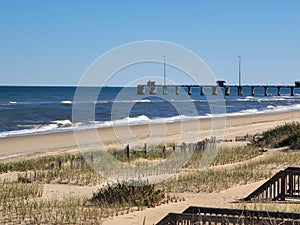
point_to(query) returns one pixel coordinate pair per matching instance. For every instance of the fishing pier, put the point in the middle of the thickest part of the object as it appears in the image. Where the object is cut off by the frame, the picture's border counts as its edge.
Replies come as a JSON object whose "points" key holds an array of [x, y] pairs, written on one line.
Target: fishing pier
{"points": [[215, 89], [219, 88]]}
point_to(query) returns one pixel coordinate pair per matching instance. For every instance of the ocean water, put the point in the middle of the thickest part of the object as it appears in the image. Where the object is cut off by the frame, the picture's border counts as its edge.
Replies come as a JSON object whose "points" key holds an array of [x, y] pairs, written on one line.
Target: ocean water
{"points": [[30, 110]]}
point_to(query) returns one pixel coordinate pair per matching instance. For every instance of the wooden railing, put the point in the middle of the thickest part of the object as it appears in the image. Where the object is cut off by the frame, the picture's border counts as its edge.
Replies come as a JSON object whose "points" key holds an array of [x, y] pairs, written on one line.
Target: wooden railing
{"points": [[213, 216], [282, 186]]}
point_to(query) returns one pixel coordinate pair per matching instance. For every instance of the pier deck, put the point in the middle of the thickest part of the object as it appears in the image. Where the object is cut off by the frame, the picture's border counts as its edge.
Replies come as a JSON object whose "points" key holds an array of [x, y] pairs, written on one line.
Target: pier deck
{"points": [[214, 88]]}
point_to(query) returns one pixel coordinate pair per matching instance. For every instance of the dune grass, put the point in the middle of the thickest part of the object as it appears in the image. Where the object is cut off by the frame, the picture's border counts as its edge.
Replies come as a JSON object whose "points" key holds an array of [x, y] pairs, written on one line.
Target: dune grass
{"points": [[217, 179], [21, 200], [226, 155], [280, 136], [126, 194]]}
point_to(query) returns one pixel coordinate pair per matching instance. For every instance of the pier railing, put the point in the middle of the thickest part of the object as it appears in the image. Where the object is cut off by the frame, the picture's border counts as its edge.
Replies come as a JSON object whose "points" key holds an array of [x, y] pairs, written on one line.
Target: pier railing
{"points": [[226, 89]]}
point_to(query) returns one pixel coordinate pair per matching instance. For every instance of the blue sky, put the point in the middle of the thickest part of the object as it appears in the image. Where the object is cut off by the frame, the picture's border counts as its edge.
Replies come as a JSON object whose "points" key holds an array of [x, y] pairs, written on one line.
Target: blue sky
{"points": [[53, 42]]}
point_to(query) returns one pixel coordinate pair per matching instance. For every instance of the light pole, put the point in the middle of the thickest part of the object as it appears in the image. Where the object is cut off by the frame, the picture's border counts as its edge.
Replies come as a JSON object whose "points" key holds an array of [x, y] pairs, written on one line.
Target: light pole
{"points": [[165, 77], [240, 72], [240, 76], [164, 70]]}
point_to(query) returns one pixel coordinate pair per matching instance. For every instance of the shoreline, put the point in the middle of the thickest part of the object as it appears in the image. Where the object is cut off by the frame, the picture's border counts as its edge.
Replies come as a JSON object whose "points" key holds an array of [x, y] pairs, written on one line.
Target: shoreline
{"points": [[174, 132]]}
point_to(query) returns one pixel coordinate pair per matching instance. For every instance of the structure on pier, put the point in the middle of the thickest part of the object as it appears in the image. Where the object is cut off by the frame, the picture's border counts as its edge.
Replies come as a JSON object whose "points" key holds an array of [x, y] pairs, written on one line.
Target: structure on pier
{"points": [[285, 185], [220, 85]]}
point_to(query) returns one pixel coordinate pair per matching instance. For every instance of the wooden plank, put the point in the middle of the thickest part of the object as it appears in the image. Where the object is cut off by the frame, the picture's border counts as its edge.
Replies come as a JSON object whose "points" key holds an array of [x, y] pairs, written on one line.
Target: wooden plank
{"points": [[239, 212], [184, 218]]}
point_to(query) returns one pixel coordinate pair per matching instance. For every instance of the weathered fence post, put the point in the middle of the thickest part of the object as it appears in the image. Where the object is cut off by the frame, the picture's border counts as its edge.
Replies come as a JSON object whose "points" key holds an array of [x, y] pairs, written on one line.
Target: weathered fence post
{"points": [[145, 149], [126, 150], [92, 157]]}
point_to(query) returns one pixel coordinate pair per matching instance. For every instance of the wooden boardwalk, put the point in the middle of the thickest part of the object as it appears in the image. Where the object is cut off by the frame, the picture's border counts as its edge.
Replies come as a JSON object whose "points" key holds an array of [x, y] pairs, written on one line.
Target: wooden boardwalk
{"points": [[218, 216]]}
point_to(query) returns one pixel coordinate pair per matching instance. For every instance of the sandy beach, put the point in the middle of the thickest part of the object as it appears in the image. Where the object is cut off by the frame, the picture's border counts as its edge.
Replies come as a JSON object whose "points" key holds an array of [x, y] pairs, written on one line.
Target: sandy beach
{"points": [[54, 143], [138, 134]]}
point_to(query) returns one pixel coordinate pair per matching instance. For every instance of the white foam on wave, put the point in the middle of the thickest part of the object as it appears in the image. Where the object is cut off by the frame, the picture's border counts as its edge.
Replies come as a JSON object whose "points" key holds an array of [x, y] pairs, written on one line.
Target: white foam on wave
{"points": [[124, 101], [62, 123], [243, 99], [135, 101], [53, 126], [175, 119], [67, 102], [265, 98], [126, 121], [268, 109], [12, 102], [246, 111], [285, 108]]}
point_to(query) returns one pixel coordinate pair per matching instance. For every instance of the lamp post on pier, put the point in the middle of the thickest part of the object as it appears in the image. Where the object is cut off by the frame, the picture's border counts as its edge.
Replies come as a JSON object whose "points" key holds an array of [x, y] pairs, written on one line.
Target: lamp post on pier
{"points": [[240, 76], [165, 78]]}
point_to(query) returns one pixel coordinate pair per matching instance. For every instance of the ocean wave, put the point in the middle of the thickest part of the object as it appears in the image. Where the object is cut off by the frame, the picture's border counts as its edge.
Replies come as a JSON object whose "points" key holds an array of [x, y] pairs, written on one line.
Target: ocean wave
{"points": [[126, 121], [62, 123], [136, 101], [263, 99], [118, 101], [66, 102], [25, 103], [268, 109], [53, 126], [246, 111], [67, 125]]}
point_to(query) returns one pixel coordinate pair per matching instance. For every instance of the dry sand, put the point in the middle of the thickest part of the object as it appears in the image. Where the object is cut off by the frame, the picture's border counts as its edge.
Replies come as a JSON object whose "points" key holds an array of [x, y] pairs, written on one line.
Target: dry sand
{"points": [[59, 142], [188, 131]]}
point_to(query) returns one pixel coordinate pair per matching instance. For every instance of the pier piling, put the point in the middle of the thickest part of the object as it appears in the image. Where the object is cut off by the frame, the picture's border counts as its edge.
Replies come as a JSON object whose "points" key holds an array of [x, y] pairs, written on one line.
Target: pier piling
{"points": [[292, 91], [266, 91], [240, 90], [214, 90], [177, 90], [252, 90], [278, 91], [227, 91], [189, 90], [165, 90], [141, 89], [201, 91]]}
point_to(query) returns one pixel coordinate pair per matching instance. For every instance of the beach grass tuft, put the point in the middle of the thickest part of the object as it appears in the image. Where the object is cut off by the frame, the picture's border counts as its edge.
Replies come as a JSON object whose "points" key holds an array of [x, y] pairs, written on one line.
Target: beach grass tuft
{"points": [[280, 136]]}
